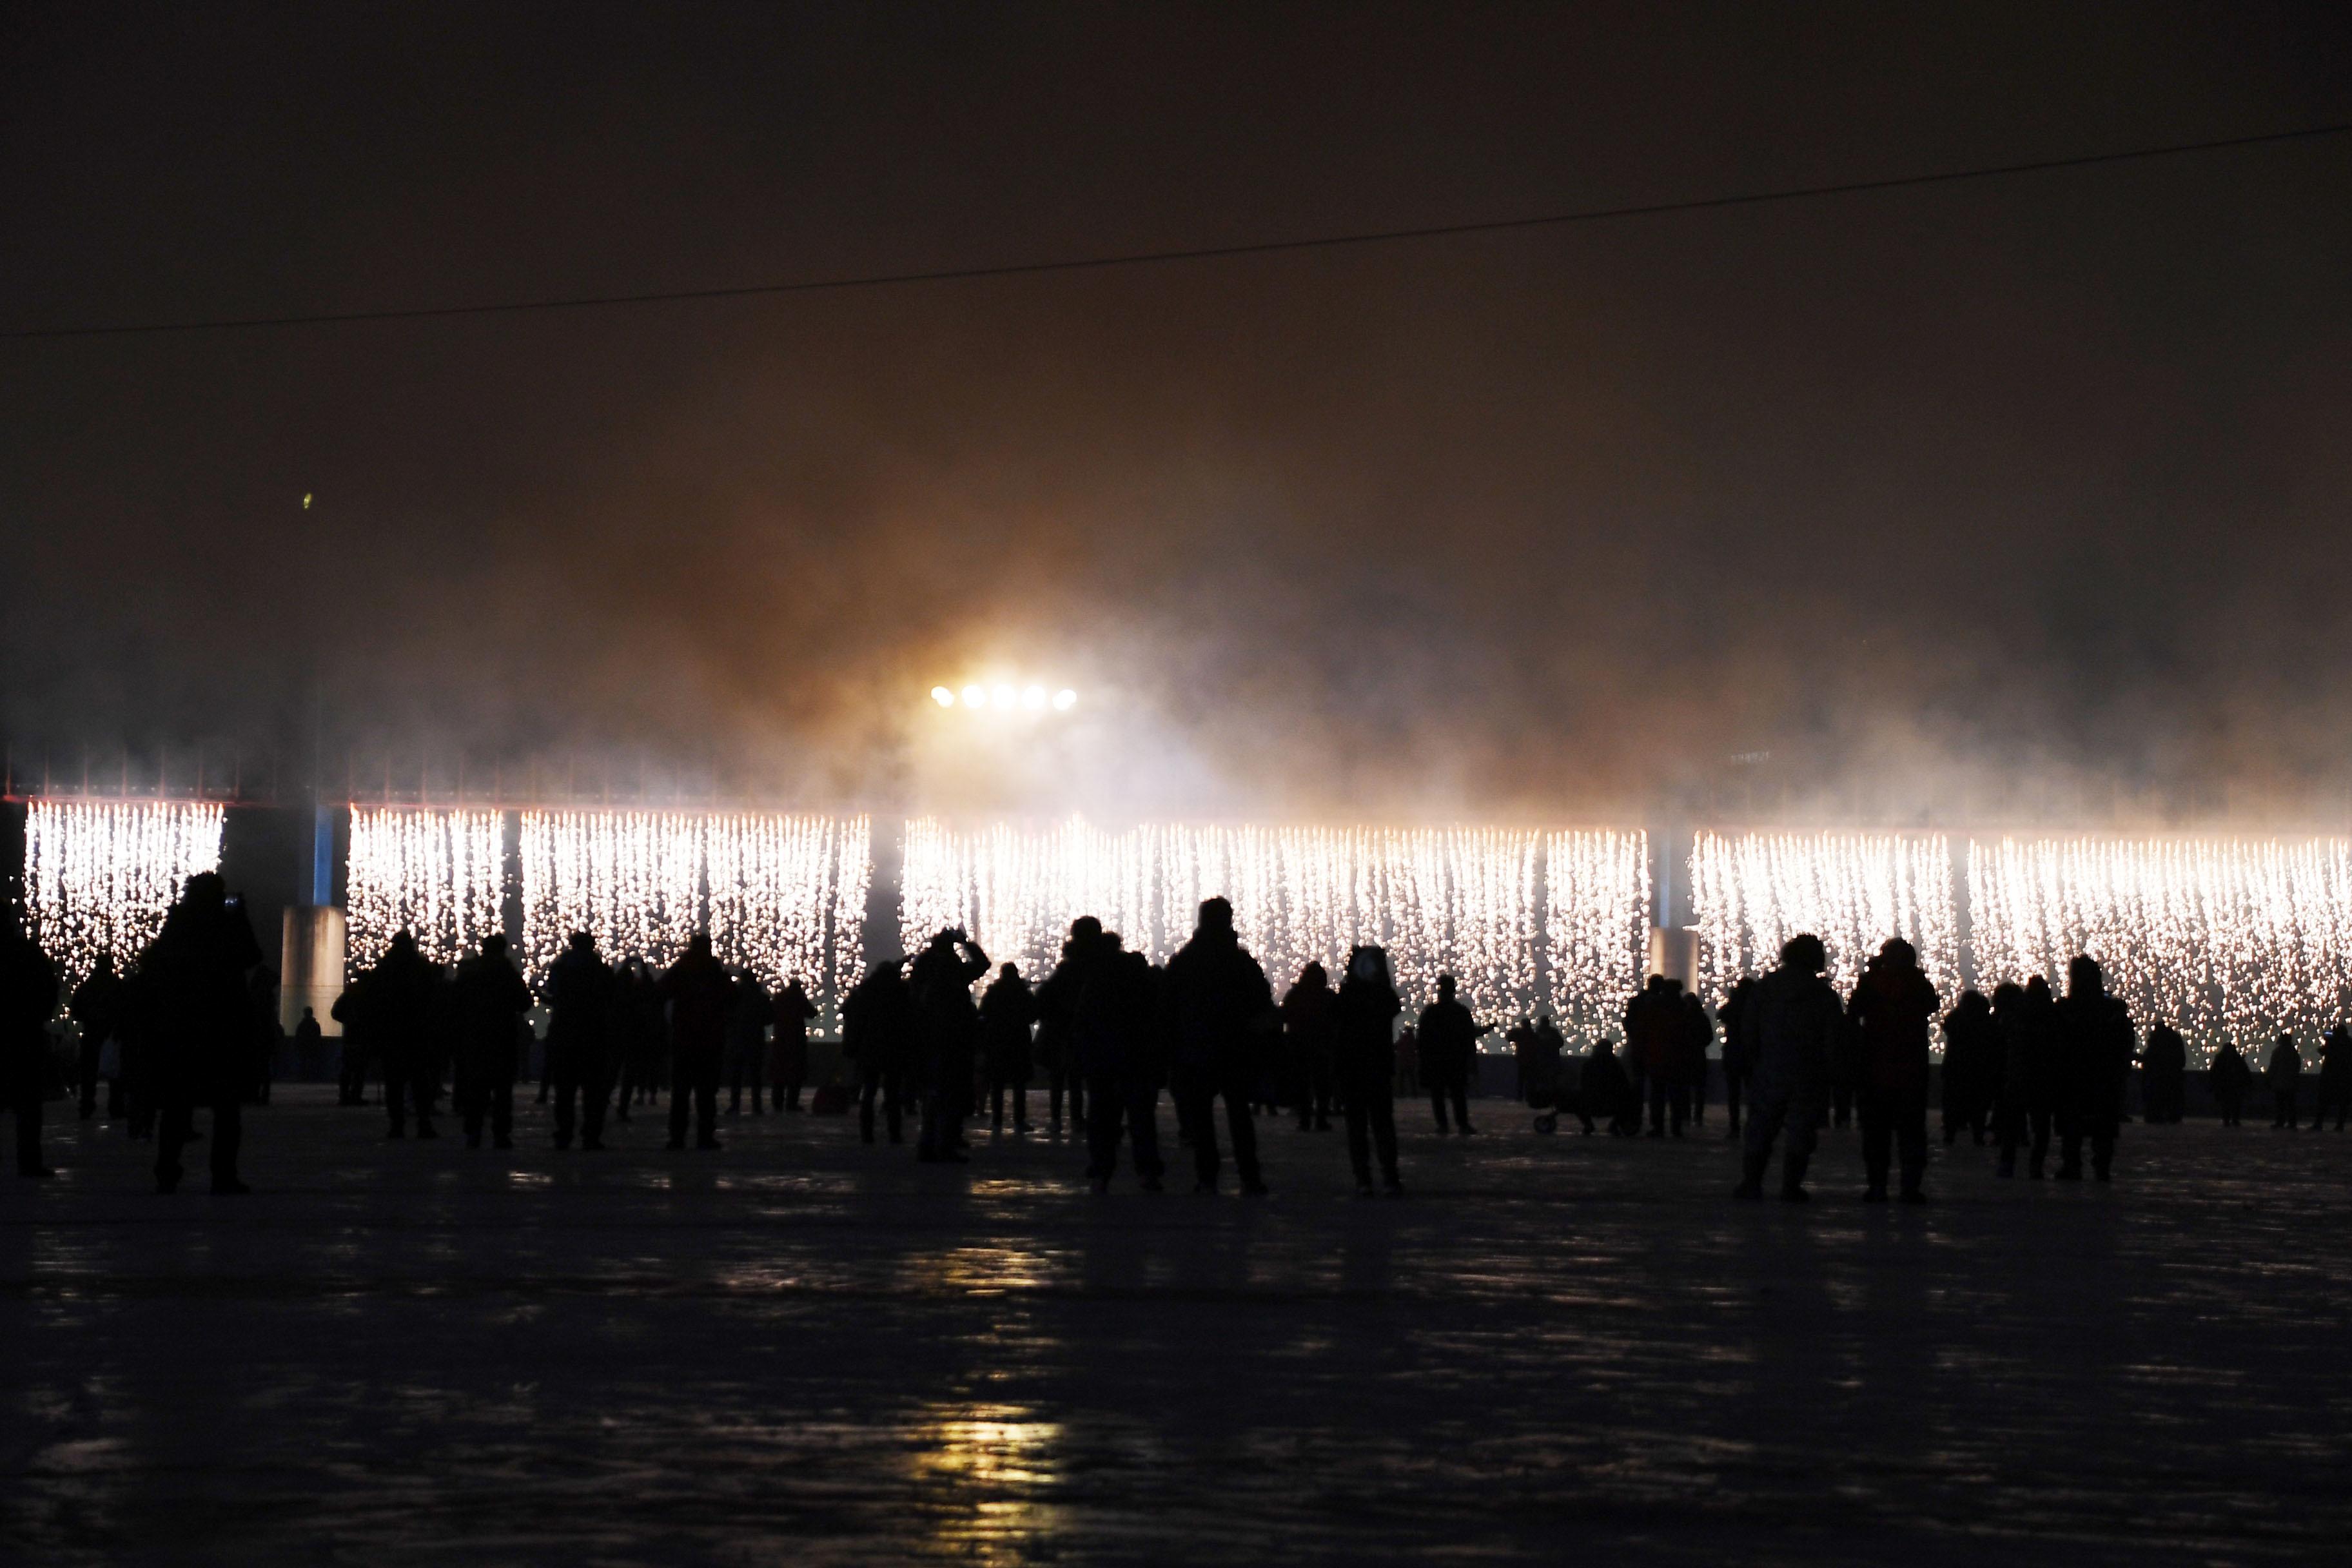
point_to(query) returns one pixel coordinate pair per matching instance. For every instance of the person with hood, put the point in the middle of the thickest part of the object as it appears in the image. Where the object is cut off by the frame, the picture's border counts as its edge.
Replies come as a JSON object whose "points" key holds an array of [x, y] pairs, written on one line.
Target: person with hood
{"points": [[1221, 1013], [2096, 1040], [878, 1033], [948, 1037], [2164, 1074], [700, 995], [1007, 1010], [1307, 1042], [1791, 1028], [788, 1059], [488, 1000], [583, 1024], [2229, 1079], [1364, 1020], [202, 960], [96, 1001], [402, 1007], [1449, 1052], [29, 997], [1058, 1011], [1117, 1032], [1892, 1006], [2284, 1076]]}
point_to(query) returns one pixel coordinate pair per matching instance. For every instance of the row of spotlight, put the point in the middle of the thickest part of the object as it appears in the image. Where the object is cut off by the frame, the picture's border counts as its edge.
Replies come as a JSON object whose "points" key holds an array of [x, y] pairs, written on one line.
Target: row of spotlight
{"points": [[1006, 699]]}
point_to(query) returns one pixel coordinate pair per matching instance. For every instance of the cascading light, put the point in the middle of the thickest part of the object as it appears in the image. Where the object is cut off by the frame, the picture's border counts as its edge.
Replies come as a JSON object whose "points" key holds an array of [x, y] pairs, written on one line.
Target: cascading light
{"points": [[1467, 901], [438, 875], [98, 876], [2228, 939], [633, 879], [1752, 891]]}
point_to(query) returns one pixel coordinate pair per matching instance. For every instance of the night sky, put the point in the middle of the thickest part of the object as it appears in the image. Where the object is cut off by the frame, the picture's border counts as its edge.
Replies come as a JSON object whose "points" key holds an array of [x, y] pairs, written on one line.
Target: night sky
{"points": [[2026, 484]]}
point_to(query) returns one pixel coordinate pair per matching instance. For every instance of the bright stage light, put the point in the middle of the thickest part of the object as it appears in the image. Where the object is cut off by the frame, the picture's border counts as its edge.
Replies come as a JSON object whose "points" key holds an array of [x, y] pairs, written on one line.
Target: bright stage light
{"points": [[1033, 697], [1065, 699], [975, 697], [942, 696], [1004, 697]]}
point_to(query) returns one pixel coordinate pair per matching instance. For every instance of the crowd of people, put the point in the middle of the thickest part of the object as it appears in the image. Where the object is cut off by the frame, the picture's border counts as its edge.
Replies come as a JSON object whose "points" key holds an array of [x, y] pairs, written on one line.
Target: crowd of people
{"points": [[1104, 1033]]}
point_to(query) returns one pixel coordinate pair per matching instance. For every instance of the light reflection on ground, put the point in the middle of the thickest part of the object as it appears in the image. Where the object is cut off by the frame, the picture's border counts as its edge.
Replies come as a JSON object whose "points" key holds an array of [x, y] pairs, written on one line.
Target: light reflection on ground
{"points": [[803, 1349]]}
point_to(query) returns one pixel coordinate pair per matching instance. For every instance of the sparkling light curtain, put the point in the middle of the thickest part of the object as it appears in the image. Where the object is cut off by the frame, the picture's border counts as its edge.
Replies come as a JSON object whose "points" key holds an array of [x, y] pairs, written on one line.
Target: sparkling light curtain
{"points": [[100, 876]]}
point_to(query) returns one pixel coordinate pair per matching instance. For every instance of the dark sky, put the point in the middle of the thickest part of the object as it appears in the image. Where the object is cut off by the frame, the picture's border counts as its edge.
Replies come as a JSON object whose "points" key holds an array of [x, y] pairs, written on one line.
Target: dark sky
{"points": [[2029, 479]]}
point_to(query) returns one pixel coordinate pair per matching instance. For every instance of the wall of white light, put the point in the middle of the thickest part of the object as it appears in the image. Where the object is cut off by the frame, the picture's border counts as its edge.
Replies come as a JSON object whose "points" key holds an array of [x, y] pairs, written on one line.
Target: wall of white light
{"points": [[1526, 921], [438, 875], [99, 877]]}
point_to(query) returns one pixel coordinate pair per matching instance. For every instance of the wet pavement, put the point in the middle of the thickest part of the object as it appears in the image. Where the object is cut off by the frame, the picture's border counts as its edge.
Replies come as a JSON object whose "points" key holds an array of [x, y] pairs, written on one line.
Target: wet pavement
{"points": [[802, 1350]]}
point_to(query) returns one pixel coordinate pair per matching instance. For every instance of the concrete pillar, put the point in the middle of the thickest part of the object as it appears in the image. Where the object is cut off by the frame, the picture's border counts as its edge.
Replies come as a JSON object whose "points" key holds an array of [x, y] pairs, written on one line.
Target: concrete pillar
{"points": [[311, 965], [1674, 952]]}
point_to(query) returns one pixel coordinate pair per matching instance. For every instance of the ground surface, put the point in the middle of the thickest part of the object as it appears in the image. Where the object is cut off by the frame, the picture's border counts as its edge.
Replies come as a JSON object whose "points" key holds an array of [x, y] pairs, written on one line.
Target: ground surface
{"points": [[801, 1348]]}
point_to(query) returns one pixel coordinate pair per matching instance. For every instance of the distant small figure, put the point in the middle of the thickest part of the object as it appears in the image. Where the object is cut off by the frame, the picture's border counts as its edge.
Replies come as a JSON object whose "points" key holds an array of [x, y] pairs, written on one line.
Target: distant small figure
{"points": [[1696, 1039], [2164, 1076], [1972, 1066], [1738, 1067], [1307, 1043], [487, 1001], [1791, 1027], [309, 1044], [2228, 1077], [1364, 1013], [2334, 1089], [2284, 1076], [1448, 1038], [1007, 1011], [788, 1054]]}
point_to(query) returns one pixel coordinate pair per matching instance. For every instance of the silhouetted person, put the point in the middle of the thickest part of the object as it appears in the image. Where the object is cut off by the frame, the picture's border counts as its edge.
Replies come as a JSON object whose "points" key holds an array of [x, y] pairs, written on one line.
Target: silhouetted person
{"points": [[2164, 1074], [2284, 1076], [585, 1018], [1654, 1043], [2096, 1037], [1892, 1004], [1363, 1021], [1058, 1011], [2027, 1018], [747, 1041], [1972, 1066], [1791, 1027], [1307, 1043], [362, 1038], [1738, 1067], [700, 995], [648, 1044], [2333, 1090], [487, 1003], [1697, 1034], [309, 1044], [95, 1003], [1007, 1009], [2228, 1079], [947, 1034], [29, 997], [788, 1059], [878, 1033], [1221, 1010], [403, 998], [1119, 1034], [1449, 1049], [201, 959]]}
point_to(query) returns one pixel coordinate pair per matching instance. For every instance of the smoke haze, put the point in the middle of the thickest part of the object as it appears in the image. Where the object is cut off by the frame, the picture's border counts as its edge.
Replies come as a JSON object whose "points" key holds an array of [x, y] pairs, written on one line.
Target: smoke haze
{"points": [[2000, 497]]}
